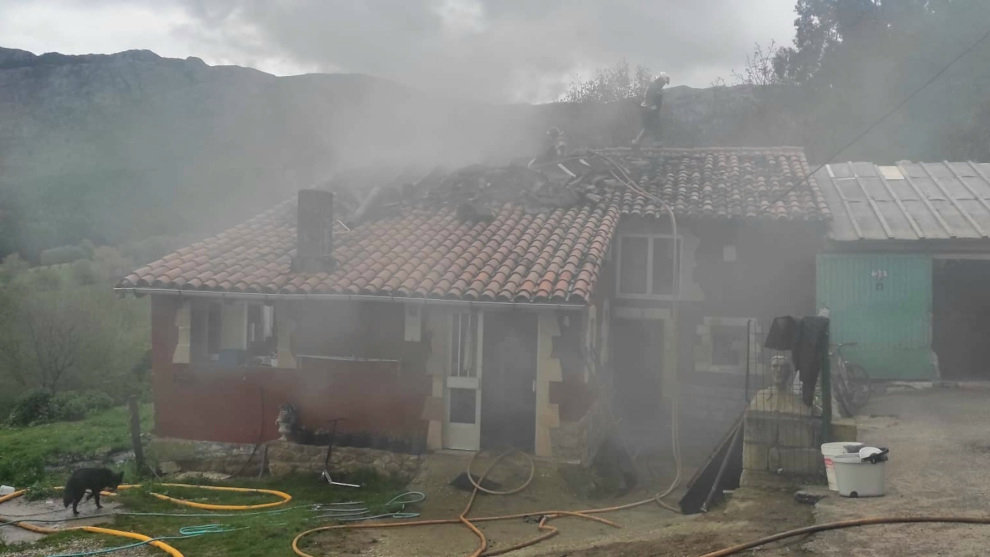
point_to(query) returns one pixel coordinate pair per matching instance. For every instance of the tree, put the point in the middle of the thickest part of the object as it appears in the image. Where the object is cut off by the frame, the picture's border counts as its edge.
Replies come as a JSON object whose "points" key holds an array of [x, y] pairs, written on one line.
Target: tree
{"points": [[62, 329], [759, 70], [611, 84], [53, 331]]}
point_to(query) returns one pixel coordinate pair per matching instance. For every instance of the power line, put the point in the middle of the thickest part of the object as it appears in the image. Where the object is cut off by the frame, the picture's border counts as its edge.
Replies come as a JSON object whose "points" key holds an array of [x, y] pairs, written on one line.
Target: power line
{"points": [[879, 121]]}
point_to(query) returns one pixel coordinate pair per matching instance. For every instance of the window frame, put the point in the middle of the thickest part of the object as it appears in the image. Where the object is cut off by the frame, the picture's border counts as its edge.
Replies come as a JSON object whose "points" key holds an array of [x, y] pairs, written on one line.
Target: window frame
{"points": [[753, 351], [650, 239]]}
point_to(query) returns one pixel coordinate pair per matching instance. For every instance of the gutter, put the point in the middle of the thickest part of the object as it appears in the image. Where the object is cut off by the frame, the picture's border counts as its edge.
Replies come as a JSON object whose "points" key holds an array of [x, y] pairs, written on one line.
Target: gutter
{"points": [[346, 297]]}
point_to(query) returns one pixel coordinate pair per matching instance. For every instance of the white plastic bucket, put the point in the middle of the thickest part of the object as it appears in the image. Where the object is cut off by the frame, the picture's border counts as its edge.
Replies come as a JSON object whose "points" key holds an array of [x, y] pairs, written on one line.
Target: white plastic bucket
{"points": [[856, 478], [830, 450]]}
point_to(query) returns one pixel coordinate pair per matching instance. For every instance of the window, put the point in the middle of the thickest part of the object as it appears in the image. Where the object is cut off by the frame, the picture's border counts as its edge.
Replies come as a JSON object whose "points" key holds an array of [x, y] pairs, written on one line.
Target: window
{"points": [[463, 405], [260, 330], [646, 265], [729, 345], [204, 331], [231, 333], [462, 333]]}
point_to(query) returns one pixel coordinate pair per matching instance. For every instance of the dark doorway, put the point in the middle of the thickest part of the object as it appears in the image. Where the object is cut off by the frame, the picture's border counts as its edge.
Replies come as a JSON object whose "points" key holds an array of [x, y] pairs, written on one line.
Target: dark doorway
{"points": [[508, 381], [637, 351], [961, 318]]}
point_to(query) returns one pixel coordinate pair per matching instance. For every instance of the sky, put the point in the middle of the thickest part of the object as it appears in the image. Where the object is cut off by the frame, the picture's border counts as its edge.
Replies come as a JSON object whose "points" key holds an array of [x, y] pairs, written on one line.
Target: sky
{"points": [[500, 51]]}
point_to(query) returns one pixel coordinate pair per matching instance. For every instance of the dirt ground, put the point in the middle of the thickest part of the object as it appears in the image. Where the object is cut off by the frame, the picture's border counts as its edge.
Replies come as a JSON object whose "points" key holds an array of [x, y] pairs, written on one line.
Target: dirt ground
{"points": [[646, 530], [940, 452], [939, 457]]}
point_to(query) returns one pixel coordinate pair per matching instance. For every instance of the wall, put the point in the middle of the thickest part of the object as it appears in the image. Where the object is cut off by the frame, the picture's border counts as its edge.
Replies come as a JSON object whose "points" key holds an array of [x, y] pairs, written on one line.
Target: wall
{"points": [[772, 273], [883, 302], [278, 458], [240, 405]]}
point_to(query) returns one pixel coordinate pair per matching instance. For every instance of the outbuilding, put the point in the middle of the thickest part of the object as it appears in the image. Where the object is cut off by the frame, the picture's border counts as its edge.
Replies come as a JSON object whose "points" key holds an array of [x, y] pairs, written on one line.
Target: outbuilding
{"points": [[907, 265]]}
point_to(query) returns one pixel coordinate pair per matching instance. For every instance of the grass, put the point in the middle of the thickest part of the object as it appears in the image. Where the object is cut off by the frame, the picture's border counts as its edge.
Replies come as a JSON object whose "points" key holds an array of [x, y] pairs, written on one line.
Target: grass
{"points": [[258, 534], [24, 452]]}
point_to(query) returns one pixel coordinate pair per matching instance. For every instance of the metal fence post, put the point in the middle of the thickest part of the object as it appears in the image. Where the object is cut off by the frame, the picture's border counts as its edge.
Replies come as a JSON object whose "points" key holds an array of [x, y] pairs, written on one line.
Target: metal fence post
{"points": [[826, 390]]}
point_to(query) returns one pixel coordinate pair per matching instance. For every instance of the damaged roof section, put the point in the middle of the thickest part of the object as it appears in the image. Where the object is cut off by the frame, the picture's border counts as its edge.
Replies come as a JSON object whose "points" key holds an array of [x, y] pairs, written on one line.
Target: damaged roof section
{"points": [[722, 183], [493, 234]]}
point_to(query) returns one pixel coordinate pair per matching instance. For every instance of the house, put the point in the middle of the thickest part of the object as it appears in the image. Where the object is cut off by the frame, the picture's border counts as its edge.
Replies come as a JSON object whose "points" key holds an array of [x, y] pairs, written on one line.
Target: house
{"points": [[493, 306], [906, 267]]}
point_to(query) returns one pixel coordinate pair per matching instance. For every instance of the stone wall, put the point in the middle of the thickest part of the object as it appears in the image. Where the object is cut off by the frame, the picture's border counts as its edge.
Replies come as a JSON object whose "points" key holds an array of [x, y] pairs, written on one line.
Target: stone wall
{"points": [[289, 458], [708, 411], [280, 458], [781, 440]]}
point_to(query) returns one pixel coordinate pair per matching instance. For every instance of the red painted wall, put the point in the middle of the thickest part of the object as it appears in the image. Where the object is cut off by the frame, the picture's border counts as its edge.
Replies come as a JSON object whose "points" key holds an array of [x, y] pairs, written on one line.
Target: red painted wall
{"points": [[240, 405]]}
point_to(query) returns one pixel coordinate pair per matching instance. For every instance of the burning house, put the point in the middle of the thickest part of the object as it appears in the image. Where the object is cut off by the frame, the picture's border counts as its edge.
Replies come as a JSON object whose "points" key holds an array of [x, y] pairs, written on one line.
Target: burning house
{"points": [[539, 308]]}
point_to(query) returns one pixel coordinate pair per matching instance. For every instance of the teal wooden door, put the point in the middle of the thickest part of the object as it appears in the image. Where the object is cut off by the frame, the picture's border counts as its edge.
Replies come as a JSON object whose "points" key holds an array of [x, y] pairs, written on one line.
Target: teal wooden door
{"points": [[883, 302]]}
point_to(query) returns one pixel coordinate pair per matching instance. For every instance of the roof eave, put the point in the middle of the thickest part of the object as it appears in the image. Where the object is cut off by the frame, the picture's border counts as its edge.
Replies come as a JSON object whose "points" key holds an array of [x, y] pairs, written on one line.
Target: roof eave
{"points": [[257, 296]]}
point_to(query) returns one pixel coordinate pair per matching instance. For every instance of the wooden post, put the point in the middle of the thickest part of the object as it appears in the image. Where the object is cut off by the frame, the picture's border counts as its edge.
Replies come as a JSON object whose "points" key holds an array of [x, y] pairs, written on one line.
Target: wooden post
{"points": [[132, 407]]}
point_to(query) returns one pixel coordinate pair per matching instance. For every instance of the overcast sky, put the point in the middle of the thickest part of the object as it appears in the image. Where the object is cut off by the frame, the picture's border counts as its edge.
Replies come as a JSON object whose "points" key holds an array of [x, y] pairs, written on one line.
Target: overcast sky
{"points": [[511, 50]]}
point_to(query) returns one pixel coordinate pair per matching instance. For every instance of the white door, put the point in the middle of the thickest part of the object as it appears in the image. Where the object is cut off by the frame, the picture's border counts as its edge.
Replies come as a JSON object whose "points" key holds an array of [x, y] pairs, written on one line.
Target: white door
{"points": [[462, 396]]}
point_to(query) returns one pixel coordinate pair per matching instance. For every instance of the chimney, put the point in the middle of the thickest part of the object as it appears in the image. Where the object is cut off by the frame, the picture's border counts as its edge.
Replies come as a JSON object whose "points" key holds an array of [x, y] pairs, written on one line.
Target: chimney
{"points": [[314, 232]]}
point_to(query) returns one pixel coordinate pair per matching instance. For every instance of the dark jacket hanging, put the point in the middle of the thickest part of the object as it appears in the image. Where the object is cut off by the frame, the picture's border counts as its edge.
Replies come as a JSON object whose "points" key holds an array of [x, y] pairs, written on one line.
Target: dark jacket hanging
{"points": [[810, 351], [783, 334]]}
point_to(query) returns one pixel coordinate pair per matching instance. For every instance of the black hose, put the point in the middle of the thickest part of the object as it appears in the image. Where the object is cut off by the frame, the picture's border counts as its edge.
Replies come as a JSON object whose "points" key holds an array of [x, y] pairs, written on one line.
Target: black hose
{"points": [[847, 524]]}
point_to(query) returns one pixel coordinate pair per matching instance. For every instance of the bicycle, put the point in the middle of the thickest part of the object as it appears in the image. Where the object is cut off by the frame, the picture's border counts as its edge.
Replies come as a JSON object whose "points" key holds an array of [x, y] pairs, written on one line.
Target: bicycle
{"points": [[850, 382]]}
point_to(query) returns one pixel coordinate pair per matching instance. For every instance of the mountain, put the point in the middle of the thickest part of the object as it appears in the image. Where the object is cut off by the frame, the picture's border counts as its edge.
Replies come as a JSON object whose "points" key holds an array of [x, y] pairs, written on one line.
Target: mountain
{"points": [[121, 147]]}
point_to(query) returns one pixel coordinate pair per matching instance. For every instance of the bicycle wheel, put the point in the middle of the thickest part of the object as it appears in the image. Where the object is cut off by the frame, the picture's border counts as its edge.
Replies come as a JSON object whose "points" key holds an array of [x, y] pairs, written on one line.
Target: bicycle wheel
{"points": [[858, 384], [841, 394]]}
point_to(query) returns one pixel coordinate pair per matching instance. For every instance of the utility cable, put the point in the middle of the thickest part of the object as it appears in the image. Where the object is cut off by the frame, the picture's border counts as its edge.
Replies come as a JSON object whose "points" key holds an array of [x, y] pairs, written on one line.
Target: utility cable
{"points": [[878, 121]]}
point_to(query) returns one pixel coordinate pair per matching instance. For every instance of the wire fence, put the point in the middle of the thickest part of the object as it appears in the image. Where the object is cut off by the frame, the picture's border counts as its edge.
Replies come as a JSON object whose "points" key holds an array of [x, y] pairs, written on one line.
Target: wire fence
{"points": [[782, 431]]}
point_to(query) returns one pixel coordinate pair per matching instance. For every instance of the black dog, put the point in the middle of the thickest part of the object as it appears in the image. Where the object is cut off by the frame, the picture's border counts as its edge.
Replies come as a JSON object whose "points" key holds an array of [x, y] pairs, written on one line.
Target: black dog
{"points": [[93, 480]]}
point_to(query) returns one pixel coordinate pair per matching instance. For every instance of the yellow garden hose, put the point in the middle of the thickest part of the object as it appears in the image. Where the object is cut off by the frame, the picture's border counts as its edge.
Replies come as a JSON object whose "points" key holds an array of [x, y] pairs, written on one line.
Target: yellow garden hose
{"points": [[133, 535], [95, 529], [283, 499]]}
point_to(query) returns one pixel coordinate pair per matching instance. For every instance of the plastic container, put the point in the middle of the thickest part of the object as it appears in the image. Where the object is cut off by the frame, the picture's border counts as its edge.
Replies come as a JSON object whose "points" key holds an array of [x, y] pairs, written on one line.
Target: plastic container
{"points": [[857, 477], [6, 490], [830, 450]]}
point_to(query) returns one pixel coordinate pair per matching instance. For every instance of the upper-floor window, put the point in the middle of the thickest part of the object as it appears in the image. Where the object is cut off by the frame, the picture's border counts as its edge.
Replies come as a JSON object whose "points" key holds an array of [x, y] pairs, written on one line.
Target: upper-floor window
{"points": [[646, 265]]}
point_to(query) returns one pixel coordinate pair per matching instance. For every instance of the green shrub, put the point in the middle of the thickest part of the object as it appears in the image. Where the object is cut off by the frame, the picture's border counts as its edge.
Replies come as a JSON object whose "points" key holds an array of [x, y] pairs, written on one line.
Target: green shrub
{"points": [[62, 254], [97, 400], [68, 407], [32, 407], [22, 469], [38, 406], [85, 272]]}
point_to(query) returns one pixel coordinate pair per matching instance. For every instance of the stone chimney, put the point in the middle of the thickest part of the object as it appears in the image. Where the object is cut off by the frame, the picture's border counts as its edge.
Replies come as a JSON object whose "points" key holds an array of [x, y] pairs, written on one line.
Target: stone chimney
{"points": [[314, 232]]}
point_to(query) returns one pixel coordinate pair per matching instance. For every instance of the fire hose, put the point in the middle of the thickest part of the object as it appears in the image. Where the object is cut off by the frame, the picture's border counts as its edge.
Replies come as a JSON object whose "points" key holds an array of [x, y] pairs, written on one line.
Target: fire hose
{"points": [[847, 524]]}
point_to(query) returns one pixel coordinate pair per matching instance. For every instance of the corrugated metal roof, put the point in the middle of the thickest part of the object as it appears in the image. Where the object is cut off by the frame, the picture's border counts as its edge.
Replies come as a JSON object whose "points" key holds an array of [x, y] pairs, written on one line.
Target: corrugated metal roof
{"points": [[909, 201]]}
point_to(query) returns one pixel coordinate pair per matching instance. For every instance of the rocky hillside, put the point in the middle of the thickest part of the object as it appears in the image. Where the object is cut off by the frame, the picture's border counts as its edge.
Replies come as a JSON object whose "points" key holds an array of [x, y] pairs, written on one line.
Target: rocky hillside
{"points": [[125, 146]]}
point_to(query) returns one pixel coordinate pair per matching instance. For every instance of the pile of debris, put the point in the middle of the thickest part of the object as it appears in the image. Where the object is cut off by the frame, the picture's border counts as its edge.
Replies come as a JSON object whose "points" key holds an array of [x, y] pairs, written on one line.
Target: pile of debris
{"points": [[479, 191]]}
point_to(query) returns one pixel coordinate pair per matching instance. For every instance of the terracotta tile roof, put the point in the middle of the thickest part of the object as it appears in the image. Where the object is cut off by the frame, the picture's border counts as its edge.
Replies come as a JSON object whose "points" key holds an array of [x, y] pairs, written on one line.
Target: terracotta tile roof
{"points": [[744, 183], [521, 254], [554, 256]]}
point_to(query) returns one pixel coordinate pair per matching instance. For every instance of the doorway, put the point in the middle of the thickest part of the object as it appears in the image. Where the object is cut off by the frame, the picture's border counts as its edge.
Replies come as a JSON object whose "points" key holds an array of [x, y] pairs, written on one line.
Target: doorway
{"points": [[508, 384], [961, 318], [637, 353]]}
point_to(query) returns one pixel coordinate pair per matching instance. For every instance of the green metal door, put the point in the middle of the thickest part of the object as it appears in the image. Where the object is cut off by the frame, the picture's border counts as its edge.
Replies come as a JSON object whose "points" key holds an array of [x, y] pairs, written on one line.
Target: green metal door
{"points": [[882, 302]]}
